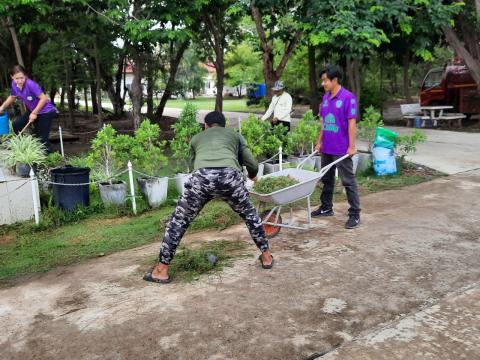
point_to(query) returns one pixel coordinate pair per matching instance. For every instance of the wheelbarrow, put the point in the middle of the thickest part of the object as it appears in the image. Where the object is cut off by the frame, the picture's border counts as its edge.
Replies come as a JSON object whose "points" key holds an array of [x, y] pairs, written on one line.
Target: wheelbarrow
{"points": [[307, 180]]}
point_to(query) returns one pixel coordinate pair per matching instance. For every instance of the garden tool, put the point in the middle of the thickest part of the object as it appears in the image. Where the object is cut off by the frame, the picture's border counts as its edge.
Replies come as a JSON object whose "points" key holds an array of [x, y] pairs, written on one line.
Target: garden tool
{"points": [[25, 127]]}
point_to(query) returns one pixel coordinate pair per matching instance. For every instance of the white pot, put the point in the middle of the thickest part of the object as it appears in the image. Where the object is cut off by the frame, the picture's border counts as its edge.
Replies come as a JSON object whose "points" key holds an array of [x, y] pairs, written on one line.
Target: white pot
{"points": [[271, 168], [154, 189], [180, 180], [364, 160], [113, 194]]}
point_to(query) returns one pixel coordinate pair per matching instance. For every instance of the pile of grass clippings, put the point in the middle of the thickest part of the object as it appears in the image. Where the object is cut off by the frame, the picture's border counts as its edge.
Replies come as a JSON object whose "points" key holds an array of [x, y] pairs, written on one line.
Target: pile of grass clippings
{"points": [[268, 185]]}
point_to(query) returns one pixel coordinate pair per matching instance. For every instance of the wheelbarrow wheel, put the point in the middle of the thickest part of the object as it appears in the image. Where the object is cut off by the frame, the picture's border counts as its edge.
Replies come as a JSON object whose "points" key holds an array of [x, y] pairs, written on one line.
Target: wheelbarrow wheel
{"points": [[271, 230]]}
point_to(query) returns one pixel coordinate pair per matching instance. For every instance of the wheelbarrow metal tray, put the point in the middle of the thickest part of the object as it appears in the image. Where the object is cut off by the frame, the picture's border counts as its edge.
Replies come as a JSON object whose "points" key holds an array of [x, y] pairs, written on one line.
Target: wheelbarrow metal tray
{"points": [[307, 182]]}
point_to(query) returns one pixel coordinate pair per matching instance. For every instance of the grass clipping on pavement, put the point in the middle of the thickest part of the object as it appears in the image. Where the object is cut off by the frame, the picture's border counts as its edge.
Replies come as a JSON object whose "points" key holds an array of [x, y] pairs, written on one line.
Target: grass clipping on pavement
{"points": [[268, 185], [209, 258]]}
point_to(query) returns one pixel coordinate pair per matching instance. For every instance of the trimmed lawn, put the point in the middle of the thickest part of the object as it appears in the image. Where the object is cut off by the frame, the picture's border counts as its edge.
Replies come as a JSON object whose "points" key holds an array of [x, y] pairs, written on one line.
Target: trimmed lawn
{"points": [[202, 103]]}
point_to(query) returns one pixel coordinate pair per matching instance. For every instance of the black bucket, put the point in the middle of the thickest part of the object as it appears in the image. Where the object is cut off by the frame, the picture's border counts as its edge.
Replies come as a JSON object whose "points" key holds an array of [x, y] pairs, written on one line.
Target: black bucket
{"points": [[68, 197]]}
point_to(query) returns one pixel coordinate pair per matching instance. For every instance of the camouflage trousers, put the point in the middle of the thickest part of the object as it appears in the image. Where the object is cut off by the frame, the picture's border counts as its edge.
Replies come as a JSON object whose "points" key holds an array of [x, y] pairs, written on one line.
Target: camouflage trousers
{"points": [[204, 185]]}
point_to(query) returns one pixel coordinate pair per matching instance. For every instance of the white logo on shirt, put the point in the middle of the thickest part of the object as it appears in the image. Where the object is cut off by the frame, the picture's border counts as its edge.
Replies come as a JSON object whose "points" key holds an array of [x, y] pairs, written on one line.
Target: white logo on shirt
{"points": [[29, 98]]}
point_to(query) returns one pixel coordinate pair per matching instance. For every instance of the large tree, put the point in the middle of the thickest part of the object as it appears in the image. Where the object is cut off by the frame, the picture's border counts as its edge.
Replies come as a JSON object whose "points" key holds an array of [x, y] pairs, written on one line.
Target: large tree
{"points": [[277, 21], [218, 26], [464, 37]]}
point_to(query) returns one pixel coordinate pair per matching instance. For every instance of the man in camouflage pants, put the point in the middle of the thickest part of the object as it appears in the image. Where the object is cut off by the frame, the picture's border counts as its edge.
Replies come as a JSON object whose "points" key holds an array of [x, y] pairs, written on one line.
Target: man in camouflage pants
{"points": [[217, 175]]}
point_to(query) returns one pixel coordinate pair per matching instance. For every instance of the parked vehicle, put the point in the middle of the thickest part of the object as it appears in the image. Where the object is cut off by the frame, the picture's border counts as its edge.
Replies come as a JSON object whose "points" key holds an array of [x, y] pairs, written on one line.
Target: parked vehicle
{"points": [[452, 85]]}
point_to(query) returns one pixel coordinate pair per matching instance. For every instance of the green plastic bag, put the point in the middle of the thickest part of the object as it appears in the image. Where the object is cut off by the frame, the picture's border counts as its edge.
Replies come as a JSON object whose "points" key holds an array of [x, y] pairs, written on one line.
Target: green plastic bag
{"points": [[385, 138]]}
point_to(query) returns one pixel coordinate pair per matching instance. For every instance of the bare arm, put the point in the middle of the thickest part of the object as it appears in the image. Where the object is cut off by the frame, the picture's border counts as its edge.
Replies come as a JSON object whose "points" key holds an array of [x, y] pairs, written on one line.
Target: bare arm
{"points": [[318, 147], [7, 103], [43, 100], [352, 136]]}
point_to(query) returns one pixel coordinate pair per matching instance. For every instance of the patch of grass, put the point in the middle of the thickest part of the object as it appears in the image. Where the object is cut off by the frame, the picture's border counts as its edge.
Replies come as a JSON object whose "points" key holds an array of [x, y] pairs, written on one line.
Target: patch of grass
{"points": [[190, 263], [209, 104], [31, 250]]}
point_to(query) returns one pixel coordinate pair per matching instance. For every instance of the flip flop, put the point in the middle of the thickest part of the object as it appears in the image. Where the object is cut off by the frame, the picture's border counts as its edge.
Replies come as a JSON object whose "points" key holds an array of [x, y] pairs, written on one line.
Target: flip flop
{"points": [[148, 277], [269, 266]]}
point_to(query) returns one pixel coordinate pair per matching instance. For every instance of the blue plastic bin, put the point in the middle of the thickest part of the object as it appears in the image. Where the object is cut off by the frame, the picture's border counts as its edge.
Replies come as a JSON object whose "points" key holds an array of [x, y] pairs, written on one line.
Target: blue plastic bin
{"points": [[4, 125]]}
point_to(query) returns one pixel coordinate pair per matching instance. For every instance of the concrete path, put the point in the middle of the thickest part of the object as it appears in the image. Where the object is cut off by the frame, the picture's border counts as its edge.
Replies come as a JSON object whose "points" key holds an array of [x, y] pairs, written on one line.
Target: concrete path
{"points": [[405, 285]]}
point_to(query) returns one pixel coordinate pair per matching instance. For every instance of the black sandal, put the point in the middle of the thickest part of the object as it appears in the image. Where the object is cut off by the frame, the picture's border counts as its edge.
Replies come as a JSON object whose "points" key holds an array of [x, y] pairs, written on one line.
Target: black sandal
{"points": [[269, 266], [148, 277]]}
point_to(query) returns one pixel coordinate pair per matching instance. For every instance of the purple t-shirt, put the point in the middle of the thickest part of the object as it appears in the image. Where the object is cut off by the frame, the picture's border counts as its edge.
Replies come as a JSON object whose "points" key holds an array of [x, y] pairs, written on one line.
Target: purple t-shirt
{"points": [[335, 113], [29, 95]]}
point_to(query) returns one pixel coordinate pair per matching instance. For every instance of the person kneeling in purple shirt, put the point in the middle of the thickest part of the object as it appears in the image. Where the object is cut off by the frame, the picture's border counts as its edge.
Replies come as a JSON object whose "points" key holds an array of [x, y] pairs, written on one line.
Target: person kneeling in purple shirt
{"points": [[337, 137], [40, 109]]}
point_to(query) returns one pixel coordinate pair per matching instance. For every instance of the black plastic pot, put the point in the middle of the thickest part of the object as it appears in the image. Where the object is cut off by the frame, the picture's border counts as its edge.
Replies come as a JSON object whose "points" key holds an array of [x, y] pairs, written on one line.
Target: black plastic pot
{"points": [[69, 197]]}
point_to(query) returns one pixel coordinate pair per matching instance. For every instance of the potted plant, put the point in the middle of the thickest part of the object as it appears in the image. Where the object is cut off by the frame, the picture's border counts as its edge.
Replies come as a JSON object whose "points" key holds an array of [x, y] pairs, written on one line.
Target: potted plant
{"points": [[302, 139], [148, 157], [183, 131], [366, 131], [25, 151], [264, 141], [108, 156]]}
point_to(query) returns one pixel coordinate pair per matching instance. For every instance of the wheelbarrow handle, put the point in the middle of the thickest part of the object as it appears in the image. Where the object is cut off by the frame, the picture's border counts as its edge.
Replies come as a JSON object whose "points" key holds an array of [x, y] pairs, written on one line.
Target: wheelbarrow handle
{"points": [[300, 165], [325, 169]]}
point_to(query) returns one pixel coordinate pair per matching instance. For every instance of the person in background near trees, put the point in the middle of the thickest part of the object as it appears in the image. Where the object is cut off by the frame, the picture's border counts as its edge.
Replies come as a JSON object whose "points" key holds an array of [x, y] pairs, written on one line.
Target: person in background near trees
{"points": [[40, 110], [217, 175], [280, 107], [337, 137]]}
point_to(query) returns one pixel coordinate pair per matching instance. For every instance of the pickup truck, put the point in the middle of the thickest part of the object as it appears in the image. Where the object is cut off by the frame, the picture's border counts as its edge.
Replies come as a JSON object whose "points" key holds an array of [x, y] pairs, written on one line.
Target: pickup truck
{"points": [[452, 85]]}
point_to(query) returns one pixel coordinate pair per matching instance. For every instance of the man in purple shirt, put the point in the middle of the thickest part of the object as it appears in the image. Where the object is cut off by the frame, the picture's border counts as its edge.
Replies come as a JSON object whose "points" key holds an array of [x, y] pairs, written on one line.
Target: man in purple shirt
{"points": [[40, 110], [337, 137]]}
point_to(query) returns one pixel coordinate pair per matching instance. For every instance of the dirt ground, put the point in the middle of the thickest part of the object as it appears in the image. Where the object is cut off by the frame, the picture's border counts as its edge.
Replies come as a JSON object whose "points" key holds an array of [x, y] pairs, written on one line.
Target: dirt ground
{"points": [[405, 285]]}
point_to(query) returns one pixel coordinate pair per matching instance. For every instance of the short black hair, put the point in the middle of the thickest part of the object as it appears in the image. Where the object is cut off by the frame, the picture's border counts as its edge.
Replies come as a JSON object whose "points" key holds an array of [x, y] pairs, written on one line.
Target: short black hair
{"points": [[333, 72], [215, 117]]}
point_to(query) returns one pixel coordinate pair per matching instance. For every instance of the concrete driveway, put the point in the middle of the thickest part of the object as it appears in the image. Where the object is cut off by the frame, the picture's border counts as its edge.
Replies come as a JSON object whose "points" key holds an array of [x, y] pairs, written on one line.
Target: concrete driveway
{"points": [[405, 285]]}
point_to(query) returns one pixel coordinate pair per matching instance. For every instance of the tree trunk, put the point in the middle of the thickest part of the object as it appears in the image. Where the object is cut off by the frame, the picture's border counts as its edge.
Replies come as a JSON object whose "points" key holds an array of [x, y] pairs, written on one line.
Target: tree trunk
{"points": [[16, 43], [350, 73], [137, 91], [98, 77], [114, 89], [69, 86], [174, 63], [62, 98], [312, 78], [358, 80], [270, 73], [52, 94], [93, 93], [472, 63], [150, 84], [406, 78], [220, 68], [85, 95]]}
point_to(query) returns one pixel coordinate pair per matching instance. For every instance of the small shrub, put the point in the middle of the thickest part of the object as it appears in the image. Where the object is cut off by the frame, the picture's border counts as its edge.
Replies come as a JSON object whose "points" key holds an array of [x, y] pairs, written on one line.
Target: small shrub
{"points": [[367, 127], [262, 139], [184, 130], [147, 150], [304, 135], [25, 149], [407, 145]]}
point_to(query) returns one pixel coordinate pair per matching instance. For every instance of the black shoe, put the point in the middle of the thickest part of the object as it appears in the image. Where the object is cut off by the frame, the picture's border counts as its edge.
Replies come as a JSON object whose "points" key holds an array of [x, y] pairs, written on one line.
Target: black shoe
{"points": [[322, 212], [352, 222]]}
